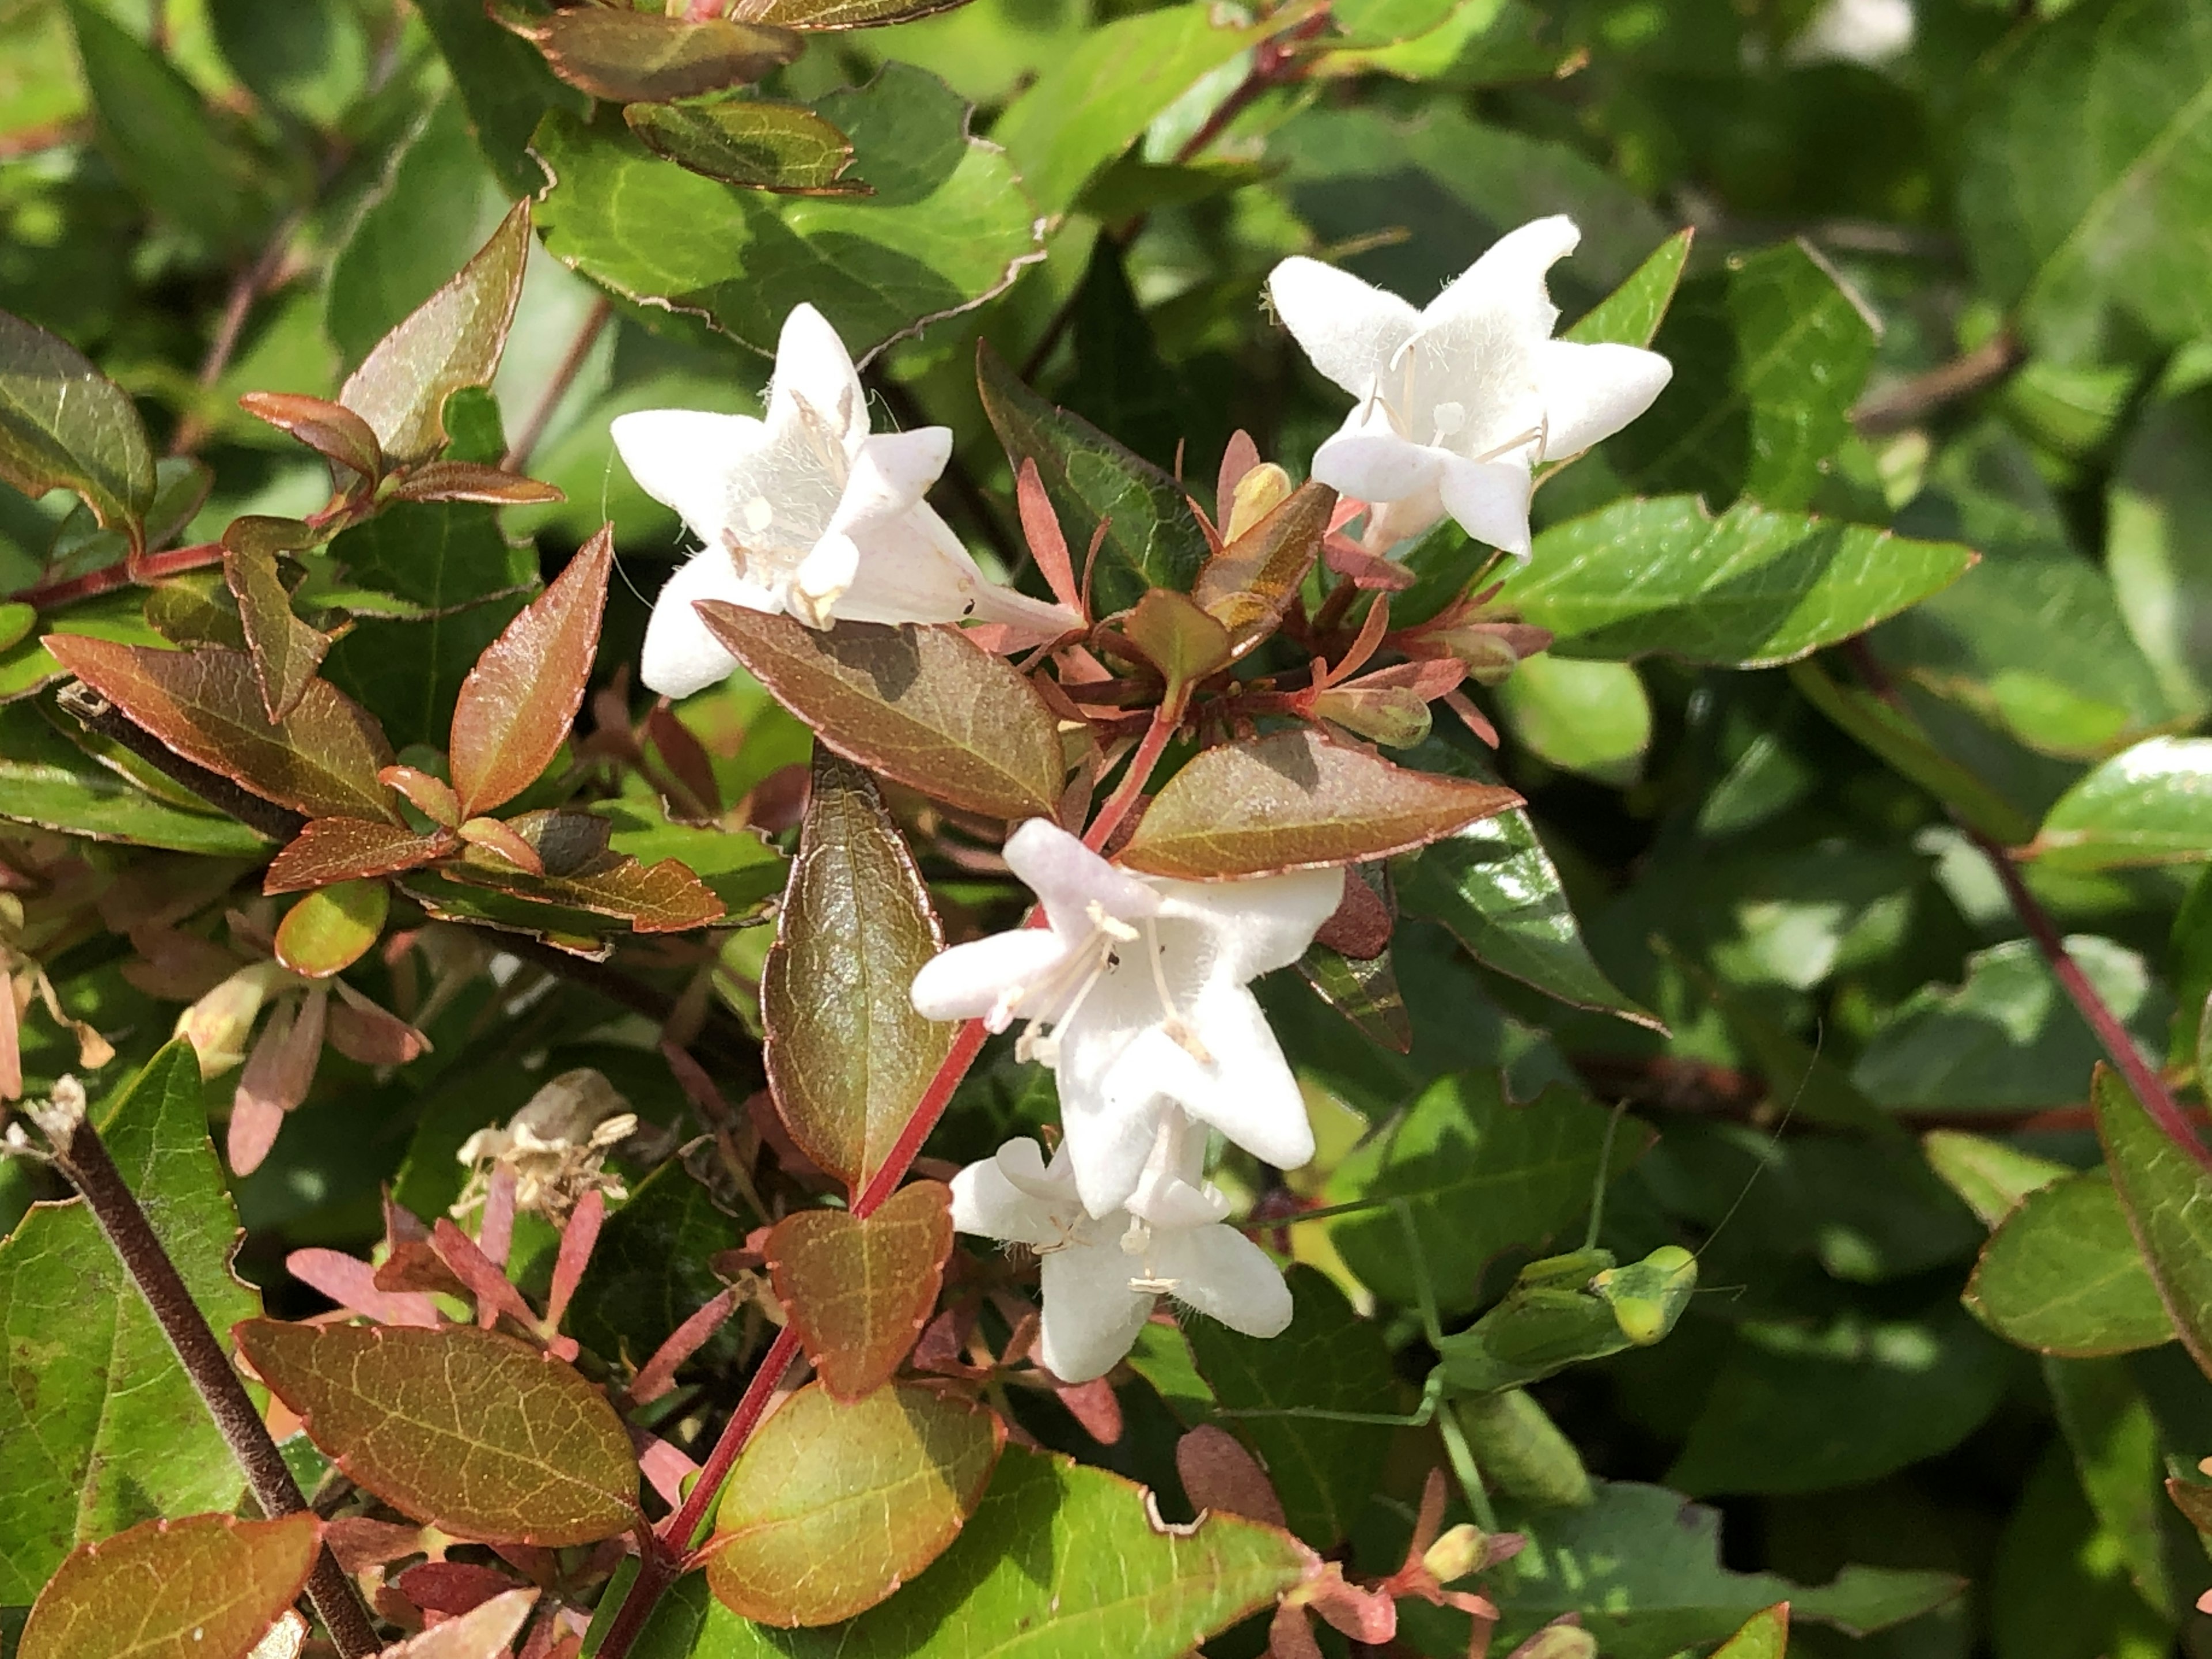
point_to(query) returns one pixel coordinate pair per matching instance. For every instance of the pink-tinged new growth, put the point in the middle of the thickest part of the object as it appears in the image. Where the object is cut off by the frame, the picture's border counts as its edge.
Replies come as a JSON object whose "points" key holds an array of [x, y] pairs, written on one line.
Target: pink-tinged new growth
{"points": [[806, 512], [1136, 995], [1460, 402], [1103, 1275]]}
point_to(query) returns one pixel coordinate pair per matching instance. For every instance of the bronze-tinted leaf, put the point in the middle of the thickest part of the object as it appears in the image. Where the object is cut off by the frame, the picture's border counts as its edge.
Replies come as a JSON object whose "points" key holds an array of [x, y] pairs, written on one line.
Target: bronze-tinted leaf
{"points": [[327, 850], [833, 1507], [1179, 640], [453, 339], [467, 481], [858, 1292], [627, 56], [755, 142], [1248, 584], [1295, 801], [206, 1586], [484, 1632], [811, 15], [517, 702], [64, 425], [332, 927], [285, 651], [330, 429], [321, 759], [474, 1431], [923, 705], [847, 1054], [653, 898]]}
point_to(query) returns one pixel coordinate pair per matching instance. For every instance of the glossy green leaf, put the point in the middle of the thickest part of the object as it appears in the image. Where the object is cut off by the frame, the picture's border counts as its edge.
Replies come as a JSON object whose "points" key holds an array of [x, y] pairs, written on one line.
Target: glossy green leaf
{"points": [[1298, 800], [1364, 990], [847, 1057], [2062, 1275], [474, 1431], [2118, 1453], [832, 1507], [1059, 1561], [2166, 1195], [741, 868], [1590, 718], [1749, 589], [2087, 140], [649, 1273], [1329, 1361], [2158, 544], [66, 425], [416, 561], [1152, 537], [47, 780], [1990, 1176], [760, 144], [1642, 1566], [1481, 1176], [1769, 354], [1764, 1636], [99, 1428], [924, 706], [330, 930], [207, 1587], [504, 82], [624, 54], [947, 226], [1632, 314], [2149, 805]]}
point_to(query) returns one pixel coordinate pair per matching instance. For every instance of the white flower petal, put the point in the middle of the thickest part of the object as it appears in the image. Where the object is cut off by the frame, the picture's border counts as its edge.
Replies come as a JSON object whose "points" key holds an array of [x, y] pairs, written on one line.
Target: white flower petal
{"points": [[973, 981], [823, 577], [699, 464], [1108, 1115], [1248, 1092], [1257, 925], [1374, 463], [986, 1203], [1591, 391], [681, 656], [1348, 328], [1507, 283], [813, 371], [1068, 876], [1022, 1161], [1490, 499], [1224, 1276], [1091, 1317], [891, 473]]}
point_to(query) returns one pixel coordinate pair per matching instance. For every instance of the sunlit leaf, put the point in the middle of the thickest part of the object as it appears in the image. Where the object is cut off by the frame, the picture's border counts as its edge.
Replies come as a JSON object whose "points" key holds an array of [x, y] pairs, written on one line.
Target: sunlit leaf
{"points": [[46, 780], [2150, 804], [2166, 1195], [626, 55], [330, 429], [1632, 314], [64, 425], [331, 929], [2062, 1275], [1250, 584], [284, 650], [207, 1587], [859, 1291], [751, 141], [336, 849]]}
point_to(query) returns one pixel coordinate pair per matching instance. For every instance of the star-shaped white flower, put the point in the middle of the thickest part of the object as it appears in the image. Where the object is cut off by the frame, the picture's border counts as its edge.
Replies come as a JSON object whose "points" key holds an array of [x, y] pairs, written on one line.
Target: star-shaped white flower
{"points": [[806, 512], [1135, 995], [1103, 1275], [1461, 402]]}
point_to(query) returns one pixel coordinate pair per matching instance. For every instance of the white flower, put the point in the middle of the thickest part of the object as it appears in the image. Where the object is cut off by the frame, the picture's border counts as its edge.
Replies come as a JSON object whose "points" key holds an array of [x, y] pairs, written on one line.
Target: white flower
{"points": [[1103, 1275], [1135, 996], [807, 513], [1459, 403], [1856, 32]]}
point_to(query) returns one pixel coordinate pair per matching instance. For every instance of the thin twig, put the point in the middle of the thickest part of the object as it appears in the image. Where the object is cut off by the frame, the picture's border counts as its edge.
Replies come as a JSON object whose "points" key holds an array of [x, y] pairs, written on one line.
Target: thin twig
{"points": [[250, 284], [82, 1156], [1910, 401], [525, 441], [153, 568]]}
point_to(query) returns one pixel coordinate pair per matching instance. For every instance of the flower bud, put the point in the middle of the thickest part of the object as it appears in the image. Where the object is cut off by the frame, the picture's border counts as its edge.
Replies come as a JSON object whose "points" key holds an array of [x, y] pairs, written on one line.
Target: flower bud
{"points": [[1396, 716], [1459, 1551], [1559, 1641], [1259, 493], [218, 1024]]}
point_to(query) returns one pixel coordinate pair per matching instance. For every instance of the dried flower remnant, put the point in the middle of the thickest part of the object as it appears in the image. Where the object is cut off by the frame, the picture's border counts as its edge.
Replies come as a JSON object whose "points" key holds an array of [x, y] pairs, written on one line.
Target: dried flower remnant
{"points": [[555, 1147]]}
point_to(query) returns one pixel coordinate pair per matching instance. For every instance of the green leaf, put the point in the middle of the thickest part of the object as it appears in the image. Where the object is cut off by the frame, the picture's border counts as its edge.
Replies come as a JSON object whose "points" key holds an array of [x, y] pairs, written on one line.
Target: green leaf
{"points": [[2059, 1584], [1769, 354], [1481, 1176], [1990, 1176], [1632, 314], [408, 674], [832, 1507], [751, 142], [453, 339], [1097, 100], [1493, 885], [1297, 800], [2158, 511], [648, 1272], [2167, 1197], [847, 1057], [330, 930], [474, 1431], [1329, 1361], [285, 652], [2062, 1275], [414, 560], [1590, 718], [2150, 804], [2088, 143], [625, 55], [46, 780], [2119, 1455], [1059, 1561], [1798, 1407], [207, 1587], [924, 706], [740, 867], [506, 85], [1364, 989], [1764, 1636], [98, 1427], [857, 1290], [947, 227], [1152, 537], [1642, 1566], [310, 61], [1748, 590], [64, 425]]}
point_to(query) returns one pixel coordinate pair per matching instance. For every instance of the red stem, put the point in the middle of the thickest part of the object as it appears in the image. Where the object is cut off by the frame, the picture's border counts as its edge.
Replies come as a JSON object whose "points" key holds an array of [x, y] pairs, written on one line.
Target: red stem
{"points": [[152, 569], [1165, 718]]}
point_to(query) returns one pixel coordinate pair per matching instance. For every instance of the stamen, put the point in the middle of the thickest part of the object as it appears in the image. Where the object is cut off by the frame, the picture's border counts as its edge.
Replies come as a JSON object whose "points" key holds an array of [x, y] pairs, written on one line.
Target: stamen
{"points": [[1534, 434], [1179, 1031], [1151, 1286]]}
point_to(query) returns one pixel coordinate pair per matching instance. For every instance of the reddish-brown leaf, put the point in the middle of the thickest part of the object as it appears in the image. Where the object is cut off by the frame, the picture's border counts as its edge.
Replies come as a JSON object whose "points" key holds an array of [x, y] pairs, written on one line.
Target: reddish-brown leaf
{"points": [[926, 706], [330, 429], [431, 796], [332, 928], [466, 480], [1048, 543], [1248, 584], [631, 57], [207, 1587], [285, 651], [832, 1507], [482, 1632], [1179, 640], [517, 704], [847, 1054], [321, 759], [1297, 800], [474, 1431], [661, 898], [350, 849], [1219, 1475], [503, 843], [858, 1292]]}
